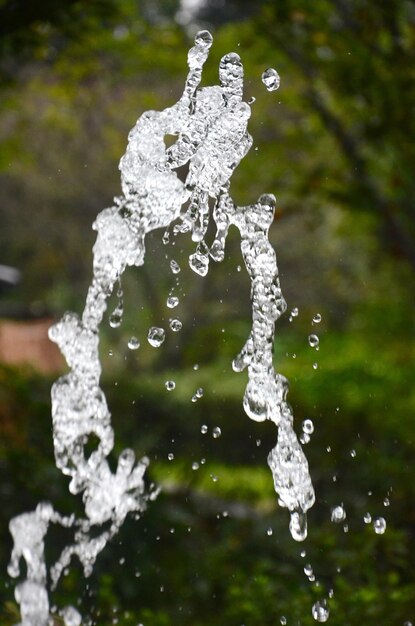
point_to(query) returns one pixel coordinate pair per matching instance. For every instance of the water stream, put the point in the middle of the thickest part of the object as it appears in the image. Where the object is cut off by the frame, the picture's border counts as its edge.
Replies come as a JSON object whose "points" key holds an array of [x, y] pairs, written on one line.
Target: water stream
{"points": [[210, 126]]}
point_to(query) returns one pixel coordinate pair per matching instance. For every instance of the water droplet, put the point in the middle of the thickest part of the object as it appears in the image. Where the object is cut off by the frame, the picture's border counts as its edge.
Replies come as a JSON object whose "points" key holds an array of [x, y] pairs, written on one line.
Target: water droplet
{"points": [[353, 453], [294, 312], [258, 442], [214, 478], [304, 438], [320, 611], [269, 532], [315, 366], [308, 426], [172, 302], [283, 620], [298, 525], [216, 433], [71, 617], [379, 525], [175, 325], [170, 385], [386, 502], [328, 448], [331, 593], [238, 268], [317, 318], [195, 465], [196, 367], [303, 553], [199, 263], [271, 79], [308, 570], [251, 100], [170, 456], [156, 336], [204, 429], [367, 518], [204, 39], [133, 343], [313, 340], [338, 514], [202, 461], [166, 237], [115, 319], [174, 266]]}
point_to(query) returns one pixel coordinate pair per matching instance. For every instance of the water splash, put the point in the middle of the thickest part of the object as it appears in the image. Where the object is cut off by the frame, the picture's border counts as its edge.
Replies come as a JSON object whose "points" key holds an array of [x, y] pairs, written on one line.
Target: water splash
{"points": [[210, 126]]}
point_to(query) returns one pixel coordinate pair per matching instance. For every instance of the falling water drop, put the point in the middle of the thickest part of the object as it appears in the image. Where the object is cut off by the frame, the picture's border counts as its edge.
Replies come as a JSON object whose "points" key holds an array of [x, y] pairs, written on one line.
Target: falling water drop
{"points": [[170, 456], [204, 429], [170, 385], [174, 266], [172, 302], [269, 532], [204, 38], [175, 325], [308, 426], [320, 611], [216, 432], [338, 514], [156, 336], [317, 318], [133, 343], [313, 341], [271, 79], [379, 525], [367, 518]]}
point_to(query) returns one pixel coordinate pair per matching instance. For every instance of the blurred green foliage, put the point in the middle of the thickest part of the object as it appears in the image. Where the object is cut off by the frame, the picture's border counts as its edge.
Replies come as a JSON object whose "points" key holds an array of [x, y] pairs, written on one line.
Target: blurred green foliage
{"points": [[335, 144]]}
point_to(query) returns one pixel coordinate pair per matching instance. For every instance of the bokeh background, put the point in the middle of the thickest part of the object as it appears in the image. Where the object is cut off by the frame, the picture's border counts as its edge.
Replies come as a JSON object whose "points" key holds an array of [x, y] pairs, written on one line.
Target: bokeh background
{"points": [[336, 145]]}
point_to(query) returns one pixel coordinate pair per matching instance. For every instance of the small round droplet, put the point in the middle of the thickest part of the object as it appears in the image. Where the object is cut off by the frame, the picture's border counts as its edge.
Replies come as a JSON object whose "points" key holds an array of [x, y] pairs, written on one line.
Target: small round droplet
{"points": [[133, 343], [353, 453], [379, 525], [214, 478], [204, 39], [258, 443], [367, 518], [174, 266], [172, 302], [308, 570], [271, 79], [283, 620], [195, 466], [294, 312], [251, 100], [269, 532], [115, 320], [170, 385], [204, 429], [308, 426], [216, 432], [170, 456], [317, 318], [338, 514], [320, 611], [386, 502], [156, 336], [313, 341], [315, 366], [175, 325]]}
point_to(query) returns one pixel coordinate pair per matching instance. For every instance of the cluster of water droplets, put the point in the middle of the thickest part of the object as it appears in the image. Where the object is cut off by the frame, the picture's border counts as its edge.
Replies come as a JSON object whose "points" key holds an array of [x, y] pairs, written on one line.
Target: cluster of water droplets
{"points": [[210, 126]]}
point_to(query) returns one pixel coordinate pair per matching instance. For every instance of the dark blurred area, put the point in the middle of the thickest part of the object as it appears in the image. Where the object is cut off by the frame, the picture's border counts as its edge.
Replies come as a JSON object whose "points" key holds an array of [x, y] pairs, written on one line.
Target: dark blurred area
{"points": [[336, 145]]}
